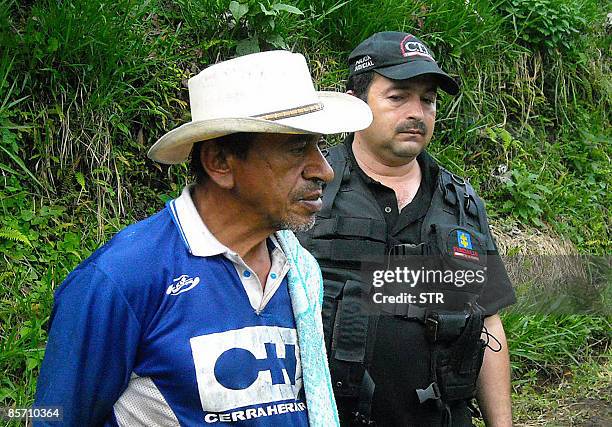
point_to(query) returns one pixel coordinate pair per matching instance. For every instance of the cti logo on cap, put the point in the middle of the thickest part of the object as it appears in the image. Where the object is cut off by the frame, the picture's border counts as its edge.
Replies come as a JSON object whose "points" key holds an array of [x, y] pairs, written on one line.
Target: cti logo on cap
{"points": [[411, 46]]}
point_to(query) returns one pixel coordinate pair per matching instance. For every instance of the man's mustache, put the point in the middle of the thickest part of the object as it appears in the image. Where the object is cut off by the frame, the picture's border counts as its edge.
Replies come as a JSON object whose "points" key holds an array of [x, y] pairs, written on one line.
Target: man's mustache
{"points": [[412, 124], [311, 186]]}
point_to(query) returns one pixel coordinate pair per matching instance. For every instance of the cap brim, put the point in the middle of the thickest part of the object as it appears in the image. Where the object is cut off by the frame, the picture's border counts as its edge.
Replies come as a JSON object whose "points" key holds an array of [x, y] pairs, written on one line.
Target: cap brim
{"points": [[407, 71], [341, 113]]}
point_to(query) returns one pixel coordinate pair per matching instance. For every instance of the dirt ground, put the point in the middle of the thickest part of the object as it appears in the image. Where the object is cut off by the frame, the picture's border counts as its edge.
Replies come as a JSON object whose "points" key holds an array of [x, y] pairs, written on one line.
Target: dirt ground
{"points": [[583, 401]]}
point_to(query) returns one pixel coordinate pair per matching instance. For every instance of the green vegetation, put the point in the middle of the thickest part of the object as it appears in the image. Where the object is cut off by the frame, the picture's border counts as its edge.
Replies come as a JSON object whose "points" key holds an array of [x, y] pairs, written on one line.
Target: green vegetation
{"points": [[86, 86]]}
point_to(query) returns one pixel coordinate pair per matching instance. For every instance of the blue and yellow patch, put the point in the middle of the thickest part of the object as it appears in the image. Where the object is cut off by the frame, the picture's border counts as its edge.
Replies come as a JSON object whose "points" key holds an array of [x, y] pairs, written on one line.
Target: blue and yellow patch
{"points": [[464, 240]]}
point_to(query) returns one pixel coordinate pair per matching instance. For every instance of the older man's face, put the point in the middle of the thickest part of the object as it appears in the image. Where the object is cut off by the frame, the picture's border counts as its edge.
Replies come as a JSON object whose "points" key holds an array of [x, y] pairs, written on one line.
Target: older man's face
{"points": [[281, 180]]}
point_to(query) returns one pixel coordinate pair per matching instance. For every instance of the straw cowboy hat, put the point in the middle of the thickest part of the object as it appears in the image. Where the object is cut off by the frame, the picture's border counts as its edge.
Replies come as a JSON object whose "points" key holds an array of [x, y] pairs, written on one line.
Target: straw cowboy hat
{"points": [[269, 92]]}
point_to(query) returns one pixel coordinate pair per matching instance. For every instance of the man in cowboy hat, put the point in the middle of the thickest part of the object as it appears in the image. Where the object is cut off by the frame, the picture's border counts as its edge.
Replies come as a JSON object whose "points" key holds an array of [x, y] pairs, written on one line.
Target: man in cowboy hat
{"points": [[412, 362], [209, 311]]}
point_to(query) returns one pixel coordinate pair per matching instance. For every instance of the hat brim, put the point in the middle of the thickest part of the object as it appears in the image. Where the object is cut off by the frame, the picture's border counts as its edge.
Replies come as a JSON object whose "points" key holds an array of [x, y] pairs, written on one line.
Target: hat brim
{"points": [[341, 113], [417, 68]]}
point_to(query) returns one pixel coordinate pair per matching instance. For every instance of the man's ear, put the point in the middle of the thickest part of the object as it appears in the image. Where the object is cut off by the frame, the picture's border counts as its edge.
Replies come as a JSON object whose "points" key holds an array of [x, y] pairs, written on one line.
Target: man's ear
{"points": [[351, 92], [217, 165]]}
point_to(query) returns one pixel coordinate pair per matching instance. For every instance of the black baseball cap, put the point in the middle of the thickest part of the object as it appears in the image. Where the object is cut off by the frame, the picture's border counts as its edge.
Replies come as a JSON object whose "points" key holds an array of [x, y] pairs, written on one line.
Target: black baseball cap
{"points": [[398, 56]]}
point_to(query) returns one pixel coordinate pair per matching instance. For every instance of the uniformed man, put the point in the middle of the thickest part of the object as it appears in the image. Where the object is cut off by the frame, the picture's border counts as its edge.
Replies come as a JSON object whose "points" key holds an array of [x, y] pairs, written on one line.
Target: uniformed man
{"points": [[410, 364]]}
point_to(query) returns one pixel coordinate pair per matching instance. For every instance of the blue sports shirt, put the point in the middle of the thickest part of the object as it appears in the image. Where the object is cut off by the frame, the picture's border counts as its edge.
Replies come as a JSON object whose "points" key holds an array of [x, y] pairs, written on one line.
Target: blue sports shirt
{"points": [[164, 325]]}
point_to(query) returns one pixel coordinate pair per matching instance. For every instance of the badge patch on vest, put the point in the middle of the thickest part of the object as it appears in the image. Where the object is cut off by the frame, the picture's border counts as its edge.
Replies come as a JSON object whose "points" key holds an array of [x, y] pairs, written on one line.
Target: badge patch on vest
{"points": [[464, 240], [464, 248]]}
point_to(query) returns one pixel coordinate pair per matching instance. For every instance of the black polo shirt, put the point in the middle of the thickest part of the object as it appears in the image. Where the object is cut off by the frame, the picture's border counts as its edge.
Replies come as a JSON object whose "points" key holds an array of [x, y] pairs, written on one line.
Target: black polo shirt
{"points": [[405, 226]]}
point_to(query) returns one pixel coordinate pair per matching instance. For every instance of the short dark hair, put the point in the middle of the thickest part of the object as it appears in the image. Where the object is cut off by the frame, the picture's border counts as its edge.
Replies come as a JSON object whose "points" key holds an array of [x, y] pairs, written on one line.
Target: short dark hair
{"points": [[360, 84], [236, 144]]}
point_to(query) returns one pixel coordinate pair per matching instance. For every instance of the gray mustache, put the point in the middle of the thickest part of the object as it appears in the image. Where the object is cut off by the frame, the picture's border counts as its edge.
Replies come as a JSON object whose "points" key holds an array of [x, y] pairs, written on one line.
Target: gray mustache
{"points": [[309, 188], [410, 125]]}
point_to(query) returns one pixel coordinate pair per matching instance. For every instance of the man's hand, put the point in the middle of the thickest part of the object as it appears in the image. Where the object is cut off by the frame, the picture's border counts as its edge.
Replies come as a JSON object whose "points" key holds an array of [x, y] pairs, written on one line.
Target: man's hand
{"points": [[493, 390]]}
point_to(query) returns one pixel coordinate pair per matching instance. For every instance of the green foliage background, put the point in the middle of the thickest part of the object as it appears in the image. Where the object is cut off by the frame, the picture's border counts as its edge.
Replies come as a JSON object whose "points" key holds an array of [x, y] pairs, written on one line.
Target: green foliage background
{"points": [[86, 86]]}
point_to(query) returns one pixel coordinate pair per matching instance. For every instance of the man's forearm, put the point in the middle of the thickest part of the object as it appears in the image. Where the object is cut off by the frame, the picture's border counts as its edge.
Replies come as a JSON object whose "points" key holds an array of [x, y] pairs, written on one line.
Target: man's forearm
{"points": [[494, 380]]}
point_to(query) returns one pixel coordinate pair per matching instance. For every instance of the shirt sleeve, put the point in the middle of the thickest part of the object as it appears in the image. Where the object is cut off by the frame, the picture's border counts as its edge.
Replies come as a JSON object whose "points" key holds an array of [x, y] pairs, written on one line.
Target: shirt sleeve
{"points": [[497, 292], [93, 339]]}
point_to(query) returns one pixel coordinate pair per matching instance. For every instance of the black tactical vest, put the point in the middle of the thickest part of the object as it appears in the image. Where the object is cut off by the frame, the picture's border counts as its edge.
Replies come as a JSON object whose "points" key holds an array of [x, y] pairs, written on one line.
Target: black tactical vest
{"points": [[351, 225]]}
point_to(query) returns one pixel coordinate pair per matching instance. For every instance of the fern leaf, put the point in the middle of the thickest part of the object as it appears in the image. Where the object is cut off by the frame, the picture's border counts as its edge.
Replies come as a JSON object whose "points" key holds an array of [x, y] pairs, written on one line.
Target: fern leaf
{"points": [[14, 235]]}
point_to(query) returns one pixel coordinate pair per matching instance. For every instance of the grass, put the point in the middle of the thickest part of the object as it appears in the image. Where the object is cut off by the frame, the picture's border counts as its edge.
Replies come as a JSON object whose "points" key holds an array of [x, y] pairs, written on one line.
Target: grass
{"points": [[580, 397], [550, 344], [86, 86]]}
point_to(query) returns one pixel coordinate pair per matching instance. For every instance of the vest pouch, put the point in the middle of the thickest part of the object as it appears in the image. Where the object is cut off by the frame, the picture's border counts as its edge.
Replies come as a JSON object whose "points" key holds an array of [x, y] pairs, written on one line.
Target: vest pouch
{"points": [[350, 227], [348, 346], [458, 364], [332, 293]]}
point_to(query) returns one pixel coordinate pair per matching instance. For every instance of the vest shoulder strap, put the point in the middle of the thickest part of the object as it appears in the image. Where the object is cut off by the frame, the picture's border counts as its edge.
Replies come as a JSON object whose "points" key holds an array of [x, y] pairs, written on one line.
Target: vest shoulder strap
{"points": [[457, 193], [337, 157]]}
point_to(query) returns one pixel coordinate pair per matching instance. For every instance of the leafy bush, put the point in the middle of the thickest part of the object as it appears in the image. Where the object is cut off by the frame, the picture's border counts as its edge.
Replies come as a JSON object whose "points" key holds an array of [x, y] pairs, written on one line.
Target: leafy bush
{"points": [[548, 24], [260, 24], [526, 197]]}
